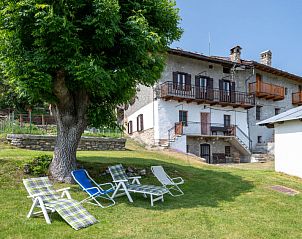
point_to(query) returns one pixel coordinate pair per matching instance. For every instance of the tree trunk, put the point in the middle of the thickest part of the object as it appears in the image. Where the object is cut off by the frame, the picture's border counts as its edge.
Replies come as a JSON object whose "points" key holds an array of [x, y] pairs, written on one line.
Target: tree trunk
{"points": [[71, 119], [64, 159]]}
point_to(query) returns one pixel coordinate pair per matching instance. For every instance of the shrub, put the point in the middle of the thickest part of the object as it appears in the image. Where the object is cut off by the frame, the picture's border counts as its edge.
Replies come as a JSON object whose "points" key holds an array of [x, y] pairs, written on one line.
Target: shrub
{"points": [[38, 166]]}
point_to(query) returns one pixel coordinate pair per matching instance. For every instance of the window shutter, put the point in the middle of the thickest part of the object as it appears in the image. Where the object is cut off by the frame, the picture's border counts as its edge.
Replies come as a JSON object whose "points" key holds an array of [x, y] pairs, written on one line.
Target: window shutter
{"points": [[220, 84], [197, 87], [175, 75], [188, 82], [221, 93], [210, 89], [233, 93], [142, 122], [137, 123], [130, 130]]}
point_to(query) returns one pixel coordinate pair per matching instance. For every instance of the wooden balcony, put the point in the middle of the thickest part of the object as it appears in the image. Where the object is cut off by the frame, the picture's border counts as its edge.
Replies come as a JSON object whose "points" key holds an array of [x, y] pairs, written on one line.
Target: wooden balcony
{"points": [[200, 95], [297, 98], [266, 91]]}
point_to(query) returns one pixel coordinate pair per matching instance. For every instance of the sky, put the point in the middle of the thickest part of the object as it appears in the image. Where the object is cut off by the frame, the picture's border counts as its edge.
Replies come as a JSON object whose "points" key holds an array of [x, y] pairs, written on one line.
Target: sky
{"points": [[256, 26]]}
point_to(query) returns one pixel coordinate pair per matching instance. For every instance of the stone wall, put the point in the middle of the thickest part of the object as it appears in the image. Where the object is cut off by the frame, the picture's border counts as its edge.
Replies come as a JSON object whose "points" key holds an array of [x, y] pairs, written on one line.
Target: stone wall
{"points": [[144, 137], [217, 146], [47, 142]]}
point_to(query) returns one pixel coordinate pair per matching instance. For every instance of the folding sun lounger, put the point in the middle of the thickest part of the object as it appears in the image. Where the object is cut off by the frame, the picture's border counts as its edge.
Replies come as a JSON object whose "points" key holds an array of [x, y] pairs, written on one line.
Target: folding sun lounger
{"points": [[122, 182], [166, 181], [46, 198], [93, 189]]}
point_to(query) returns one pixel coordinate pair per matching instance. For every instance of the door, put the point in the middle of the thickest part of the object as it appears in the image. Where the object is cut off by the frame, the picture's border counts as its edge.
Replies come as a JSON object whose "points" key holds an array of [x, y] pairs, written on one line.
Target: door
{"points": [[201, 87], [205, 152], [205, 123], [225, 89]]}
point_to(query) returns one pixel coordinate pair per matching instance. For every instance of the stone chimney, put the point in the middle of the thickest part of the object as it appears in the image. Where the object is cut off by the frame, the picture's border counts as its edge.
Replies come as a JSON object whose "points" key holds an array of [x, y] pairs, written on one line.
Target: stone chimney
{"points": [[235, 54], [266, 58]]}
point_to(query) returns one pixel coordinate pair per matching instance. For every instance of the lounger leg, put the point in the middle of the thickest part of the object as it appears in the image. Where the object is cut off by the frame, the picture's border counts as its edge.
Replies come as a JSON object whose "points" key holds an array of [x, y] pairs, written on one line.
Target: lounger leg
{"points": [[151, 196], [31, 211], [44, 211], [122, 185], [126, 191], [67, 194], [116, 190]]}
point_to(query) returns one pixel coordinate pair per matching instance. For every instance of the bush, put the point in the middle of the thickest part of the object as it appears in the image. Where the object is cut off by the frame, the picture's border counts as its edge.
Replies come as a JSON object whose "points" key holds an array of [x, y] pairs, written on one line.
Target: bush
{"points": [[38, 166]]}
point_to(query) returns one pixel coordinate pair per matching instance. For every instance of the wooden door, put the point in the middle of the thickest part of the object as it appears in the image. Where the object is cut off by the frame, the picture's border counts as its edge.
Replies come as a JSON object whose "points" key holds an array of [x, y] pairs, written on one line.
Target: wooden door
{"points": [[205, 123], [179, 128]]}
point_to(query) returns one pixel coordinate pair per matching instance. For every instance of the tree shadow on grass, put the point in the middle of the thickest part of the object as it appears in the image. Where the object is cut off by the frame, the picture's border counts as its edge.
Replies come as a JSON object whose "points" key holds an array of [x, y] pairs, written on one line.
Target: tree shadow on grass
{"points": [[202, 187]]}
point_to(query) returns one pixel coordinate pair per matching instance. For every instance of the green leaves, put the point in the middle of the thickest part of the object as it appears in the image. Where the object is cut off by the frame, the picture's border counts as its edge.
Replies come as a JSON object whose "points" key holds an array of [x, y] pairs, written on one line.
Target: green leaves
{"points": [[104, 47]]}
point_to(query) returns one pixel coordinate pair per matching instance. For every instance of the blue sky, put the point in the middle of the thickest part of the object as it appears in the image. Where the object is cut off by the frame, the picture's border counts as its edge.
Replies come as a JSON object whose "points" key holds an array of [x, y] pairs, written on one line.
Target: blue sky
{"points": [[254, 25]]}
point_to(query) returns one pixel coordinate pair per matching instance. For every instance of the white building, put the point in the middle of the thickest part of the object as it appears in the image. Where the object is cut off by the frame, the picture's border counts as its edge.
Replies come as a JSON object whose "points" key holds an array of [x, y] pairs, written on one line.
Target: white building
{"points": [[288, 141], [209, 106]]}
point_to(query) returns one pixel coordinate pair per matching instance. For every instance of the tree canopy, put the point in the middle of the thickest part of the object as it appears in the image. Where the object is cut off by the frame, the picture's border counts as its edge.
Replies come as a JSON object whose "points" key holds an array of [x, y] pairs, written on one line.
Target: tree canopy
{"points": [[104, 48], [84, 58]]}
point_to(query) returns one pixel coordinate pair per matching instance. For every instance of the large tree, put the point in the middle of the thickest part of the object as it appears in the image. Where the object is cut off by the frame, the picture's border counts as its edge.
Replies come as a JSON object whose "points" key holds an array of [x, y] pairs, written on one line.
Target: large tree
{"points": [[84, 57]]}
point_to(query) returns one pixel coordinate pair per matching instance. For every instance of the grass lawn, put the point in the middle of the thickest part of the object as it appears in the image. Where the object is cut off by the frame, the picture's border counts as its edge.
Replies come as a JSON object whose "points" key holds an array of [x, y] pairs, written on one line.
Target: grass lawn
{"points": [[219, 201]]}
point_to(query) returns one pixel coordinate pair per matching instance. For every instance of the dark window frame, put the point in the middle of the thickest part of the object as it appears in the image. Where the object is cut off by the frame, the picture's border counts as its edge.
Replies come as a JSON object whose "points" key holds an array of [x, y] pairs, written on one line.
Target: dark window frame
{"points": [[140, 122], [277, 111], [227, 120], [181, 113], [258, 112], [130, 127], [180, 83], [227, 150], [203, 79]]}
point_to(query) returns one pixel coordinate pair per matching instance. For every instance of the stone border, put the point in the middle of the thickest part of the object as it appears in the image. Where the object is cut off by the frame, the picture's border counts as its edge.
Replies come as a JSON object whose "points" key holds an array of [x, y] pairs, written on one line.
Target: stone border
{"points": [[47, 142]]}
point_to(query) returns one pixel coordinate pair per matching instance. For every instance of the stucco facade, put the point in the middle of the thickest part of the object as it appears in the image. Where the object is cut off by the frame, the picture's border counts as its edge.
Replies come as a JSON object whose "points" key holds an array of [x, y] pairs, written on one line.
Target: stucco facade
{"points": [[288, 138], [162, 114]]}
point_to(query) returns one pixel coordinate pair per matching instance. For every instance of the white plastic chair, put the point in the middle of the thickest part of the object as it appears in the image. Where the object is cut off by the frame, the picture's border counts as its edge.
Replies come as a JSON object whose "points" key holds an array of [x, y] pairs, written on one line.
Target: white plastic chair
{"points": [[170, 183]]}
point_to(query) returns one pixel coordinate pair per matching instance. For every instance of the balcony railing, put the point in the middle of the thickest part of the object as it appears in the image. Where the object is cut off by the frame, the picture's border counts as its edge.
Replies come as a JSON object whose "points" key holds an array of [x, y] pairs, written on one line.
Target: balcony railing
{"points": [[209, 129], [191, 93], [297, 98], [266, 90]]}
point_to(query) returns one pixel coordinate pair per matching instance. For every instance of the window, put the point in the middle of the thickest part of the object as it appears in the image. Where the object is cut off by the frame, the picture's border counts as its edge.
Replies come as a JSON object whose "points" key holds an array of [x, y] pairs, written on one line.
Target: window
{"points": [[181, 79], [201, 82], [183, 117], [226, 70], [227, 151], [227, 120], [210, 66], [226, 85], [285, 91], [130, 127], [140, 122], [300, 87], [188, 147], [277, 111], [259, 139], [258, 112]]}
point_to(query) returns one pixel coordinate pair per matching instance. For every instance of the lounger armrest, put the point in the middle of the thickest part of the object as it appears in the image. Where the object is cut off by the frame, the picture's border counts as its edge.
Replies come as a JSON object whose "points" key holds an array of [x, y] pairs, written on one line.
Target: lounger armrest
{"points": [[85, 189], [102, 184], [178, 178], [118, 181], [62, 189], [39, 194], [134, 177]]}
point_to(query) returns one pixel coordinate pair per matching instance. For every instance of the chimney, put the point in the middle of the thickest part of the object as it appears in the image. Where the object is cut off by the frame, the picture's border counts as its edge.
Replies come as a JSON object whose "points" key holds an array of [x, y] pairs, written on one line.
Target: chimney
{"points": [[266, 58], [235, 54]]}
